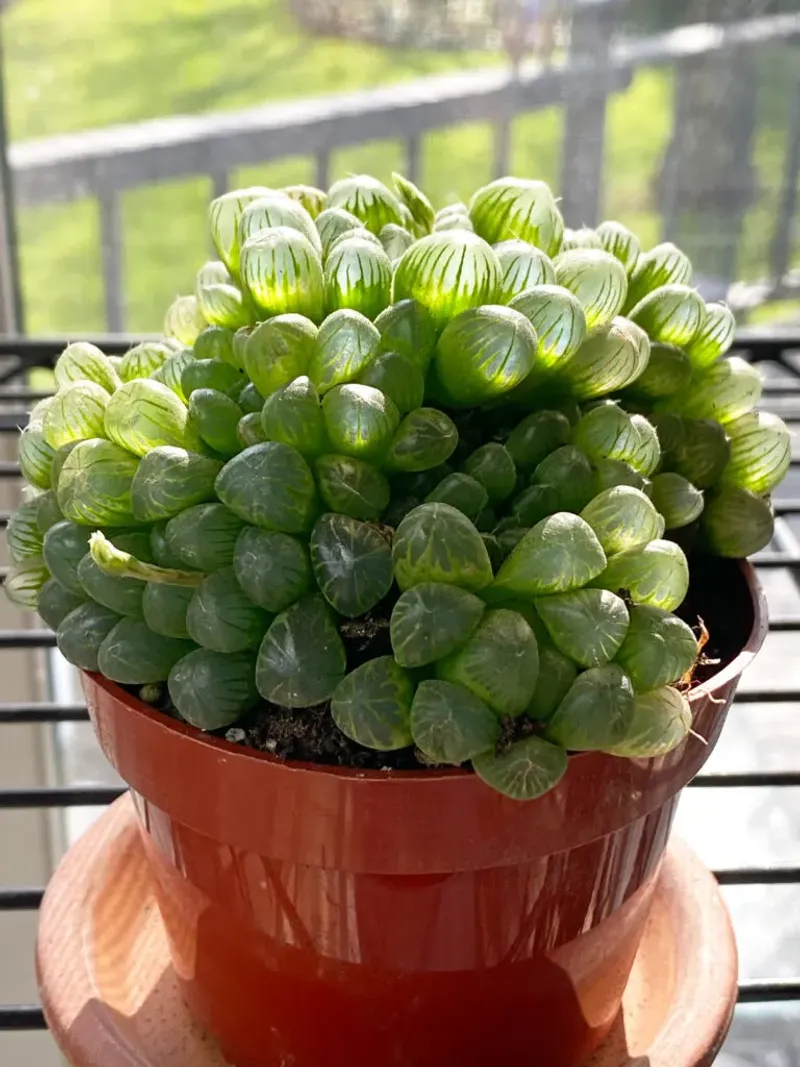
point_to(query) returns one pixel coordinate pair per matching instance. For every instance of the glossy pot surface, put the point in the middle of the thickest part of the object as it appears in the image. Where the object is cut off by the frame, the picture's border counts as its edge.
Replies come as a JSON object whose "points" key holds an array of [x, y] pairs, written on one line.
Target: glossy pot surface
{"points": [[325, 917]]}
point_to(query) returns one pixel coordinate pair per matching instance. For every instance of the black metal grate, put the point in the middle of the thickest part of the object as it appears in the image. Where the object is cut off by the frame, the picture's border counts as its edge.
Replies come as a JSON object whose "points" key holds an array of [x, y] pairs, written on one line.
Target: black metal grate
{"points": [[780, 357]]}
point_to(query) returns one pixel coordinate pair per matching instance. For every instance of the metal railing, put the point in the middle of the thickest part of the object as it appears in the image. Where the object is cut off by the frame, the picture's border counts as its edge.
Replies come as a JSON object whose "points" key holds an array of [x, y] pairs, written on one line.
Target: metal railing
{"points": [[103, 164], [13, 396]]}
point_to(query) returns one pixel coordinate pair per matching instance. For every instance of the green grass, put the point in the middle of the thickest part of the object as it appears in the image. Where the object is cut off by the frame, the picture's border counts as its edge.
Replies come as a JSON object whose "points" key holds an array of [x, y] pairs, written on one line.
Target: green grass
{"points": [[91, 63]]}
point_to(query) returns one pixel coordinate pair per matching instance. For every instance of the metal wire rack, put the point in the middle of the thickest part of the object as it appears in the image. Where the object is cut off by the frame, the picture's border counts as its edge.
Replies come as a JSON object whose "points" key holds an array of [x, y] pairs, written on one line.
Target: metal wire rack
{"points": [[780, 358]]}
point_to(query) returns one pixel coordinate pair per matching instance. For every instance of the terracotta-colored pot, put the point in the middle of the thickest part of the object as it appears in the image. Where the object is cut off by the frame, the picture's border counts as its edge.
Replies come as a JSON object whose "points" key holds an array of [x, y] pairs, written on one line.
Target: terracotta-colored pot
{"points": [[322, 916]]}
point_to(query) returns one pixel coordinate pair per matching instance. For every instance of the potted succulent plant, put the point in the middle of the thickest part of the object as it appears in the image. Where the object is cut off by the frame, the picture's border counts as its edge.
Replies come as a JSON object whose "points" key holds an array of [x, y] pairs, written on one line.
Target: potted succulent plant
{"points": [[376, 570]]}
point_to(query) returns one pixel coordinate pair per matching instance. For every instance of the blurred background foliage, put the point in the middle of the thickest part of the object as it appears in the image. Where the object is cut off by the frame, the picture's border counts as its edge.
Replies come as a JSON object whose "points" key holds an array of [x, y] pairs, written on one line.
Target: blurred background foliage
{"points": [[93, 63]]}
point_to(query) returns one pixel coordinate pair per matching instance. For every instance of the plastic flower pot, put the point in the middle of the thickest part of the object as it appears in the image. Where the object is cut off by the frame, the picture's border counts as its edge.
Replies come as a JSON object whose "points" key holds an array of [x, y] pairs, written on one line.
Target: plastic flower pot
{"points": [[332, 916]]}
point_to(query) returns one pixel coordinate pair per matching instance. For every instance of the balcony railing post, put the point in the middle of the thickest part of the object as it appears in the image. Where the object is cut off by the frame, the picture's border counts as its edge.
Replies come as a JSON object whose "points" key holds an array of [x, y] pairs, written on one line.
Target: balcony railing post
{"points": [[111, 240]]}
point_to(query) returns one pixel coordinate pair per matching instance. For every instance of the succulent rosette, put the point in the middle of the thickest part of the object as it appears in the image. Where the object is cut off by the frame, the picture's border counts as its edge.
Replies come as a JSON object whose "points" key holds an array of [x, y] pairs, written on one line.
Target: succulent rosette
{"points": [[427, 469]]}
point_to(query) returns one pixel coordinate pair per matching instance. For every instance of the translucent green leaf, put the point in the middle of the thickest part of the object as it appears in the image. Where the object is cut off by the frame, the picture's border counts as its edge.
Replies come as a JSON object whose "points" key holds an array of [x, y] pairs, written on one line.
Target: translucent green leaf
{"points": [[569, 473], [431, 620], [584, 238], [347, 343], [656, 574], [352, 487], [282, 273], [270, 485], [677, 500], [276, 209], [408, 329], [213, 272], [55, 603], [224, 214], [225, 305], [518, 208], [448, 272], [183, 321], [526, 770], [216, 342], [212, 690], [122, 595], [84, 362], [611, 472], [607, 361], [372, 705], [714, 338], [249, 430], [537, 436], [272, 568], [620, 242], [523, 267], [672, 314], [622, 518], [279, 351], [668, 372], [704, 453], [596, 713], [211, 374], [661, 721], [250, 400], [312, 199], [559, 320], [82, 632], [359, 276], [24, 580], [557, 672], [215, 418], [168, 480], [144, 360], [134, 655], [424, 439], [725, 391], [462, 492], [359, 420], [647, 456], [737, 523], [597, 279], [76, 414], [23, 536], [559, 554], [292, 415], [332, 223], [450, 724], [588, 625], [493, 549], [94, 486], [64, 546], [144, 414], [170, 373], [509, 537], [352, 563], [485, 352], [416, 201], [663, 265], [203, 537], [395, 240], [606, 432], [761, 451], [164, 608], [302, 659], [222, 617], [499, 663], [493, 466], [437, 543], [368, 199], [533, 504], [659, 648], [399, 378]]}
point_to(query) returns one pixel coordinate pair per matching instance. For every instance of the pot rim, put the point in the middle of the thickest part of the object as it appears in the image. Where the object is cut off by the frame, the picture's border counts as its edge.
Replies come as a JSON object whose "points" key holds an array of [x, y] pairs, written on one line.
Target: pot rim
{"points": [[705, 691]]}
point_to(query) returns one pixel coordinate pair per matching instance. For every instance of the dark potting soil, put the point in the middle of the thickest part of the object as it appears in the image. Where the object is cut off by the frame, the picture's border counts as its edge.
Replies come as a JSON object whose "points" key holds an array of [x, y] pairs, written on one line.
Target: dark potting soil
{"points": [[718, 602]]}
